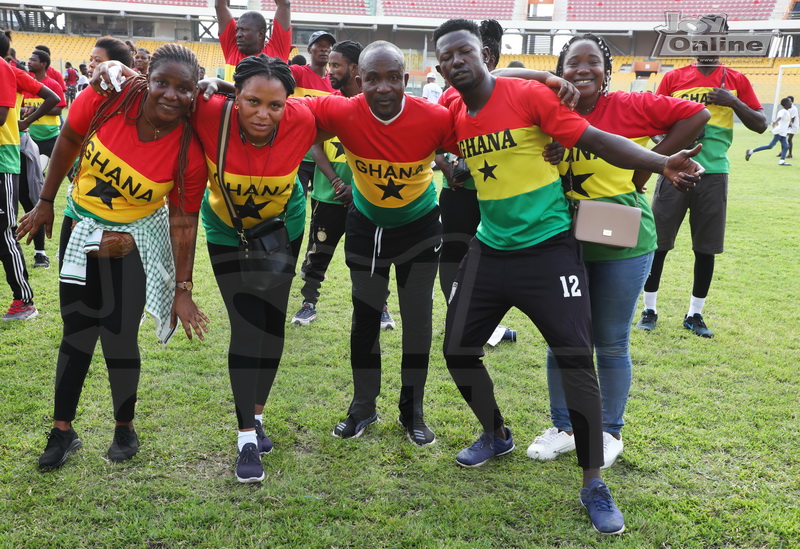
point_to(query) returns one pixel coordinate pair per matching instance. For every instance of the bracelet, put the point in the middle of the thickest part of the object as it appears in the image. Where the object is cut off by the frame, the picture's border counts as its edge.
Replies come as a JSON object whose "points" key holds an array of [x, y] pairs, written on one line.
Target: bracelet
{"points": [[48, 200]]}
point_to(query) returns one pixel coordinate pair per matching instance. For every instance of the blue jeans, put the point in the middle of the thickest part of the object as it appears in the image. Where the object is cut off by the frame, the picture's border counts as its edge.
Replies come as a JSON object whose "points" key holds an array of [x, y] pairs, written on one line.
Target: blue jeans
{"points": [[614, 288], [775, 139]]}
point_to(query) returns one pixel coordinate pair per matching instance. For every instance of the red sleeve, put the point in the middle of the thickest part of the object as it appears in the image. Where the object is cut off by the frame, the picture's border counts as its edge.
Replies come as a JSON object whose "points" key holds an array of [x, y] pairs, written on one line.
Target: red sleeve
{"points": [[83, 109], [8, 88], [280, 42], [53, 85], [745, 92], [55, 75], [27, 83], [665, 87], [660, 112], [194, 179], [556, 120], [328, 109], [227, 39]]}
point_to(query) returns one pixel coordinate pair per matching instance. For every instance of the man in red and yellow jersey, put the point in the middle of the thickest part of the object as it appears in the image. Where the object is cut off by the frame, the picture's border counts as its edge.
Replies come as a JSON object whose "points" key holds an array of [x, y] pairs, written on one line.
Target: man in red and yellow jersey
{"points": [[389, 140], [248, 35], [43, 131], [724, 91], [312, 81]]}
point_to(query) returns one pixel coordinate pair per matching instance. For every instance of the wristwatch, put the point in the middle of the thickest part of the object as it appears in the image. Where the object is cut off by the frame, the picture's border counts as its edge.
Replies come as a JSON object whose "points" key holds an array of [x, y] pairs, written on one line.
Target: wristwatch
{"points": [[185, 285]]}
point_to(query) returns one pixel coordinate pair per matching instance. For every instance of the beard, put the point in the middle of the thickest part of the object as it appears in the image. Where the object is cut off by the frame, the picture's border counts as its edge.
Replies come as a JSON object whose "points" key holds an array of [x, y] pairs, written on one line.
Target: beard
{"points": [[340, 83]]}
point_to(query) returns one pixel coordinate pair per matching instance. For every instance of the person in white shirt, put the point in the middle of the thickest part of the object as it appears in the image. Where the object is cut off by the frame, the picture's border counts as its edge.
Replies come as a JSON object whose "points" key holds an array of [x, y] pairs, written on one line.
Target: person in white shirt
{"points": [[780, 128], [794, 124], [432, 91]]}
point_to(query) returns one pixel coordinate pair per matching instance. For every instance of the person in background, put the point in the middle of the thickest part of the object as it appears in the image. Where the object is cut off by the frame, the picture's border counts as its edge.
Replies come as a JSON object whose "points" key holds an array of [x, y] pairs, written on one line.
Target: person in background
{"points": [[248, 35], [109, 48], [121, 137], [793, 126], [83, 79], [202, 73], [13, 83], [45, 130], [298, 60], [432, 91], [780, 128], [141, 61], [725, 92], [71, 80], [52, 72]]}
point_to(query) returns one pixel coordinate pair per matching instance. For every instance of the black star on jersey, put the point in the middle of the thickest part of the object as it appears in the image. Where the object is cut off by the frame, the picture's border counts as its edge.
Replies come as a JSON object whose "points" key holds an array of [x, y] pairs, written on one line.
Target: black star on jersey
{"points": [[250, 208], [105, 191], [390, 189], [577, 182], [487, 171], [339, 148]]}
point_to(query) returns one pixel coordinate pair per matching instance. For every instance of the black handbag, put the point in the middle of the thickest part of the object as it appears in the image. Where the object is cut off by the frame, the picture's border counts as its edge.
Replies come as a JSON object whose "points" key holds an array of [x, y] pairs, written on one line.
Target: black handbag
{"points": [[265, 251]]}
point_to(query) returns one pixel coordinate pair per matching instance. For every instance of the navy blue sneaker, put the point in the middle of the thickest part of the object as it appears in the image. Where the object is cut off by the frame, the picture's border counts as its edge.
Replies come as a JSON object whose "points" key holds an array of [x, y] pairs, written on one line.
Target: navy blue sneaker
{"points": [[484, 449], [264, 442], [248, 465], [696, 324], [352, 428], [605, 515]]}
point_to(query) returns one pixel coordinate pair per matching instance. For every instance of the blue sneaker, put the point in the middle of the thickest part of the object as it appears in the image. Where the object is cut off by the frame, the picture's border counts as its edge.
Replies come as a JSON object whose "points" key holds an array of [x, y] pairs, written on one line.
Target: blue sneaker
{"points": [[605, 515], [248, 465], [696, 324], [264, 442], [484, 449]]}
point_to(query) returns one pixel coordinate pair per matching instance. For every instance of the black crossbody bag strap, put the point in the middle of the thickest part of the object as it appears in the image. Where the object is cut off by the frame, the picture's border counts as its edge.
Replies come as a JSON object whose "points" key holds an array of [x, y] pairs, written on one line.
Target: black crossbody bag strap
{"points": [[222, 153]]}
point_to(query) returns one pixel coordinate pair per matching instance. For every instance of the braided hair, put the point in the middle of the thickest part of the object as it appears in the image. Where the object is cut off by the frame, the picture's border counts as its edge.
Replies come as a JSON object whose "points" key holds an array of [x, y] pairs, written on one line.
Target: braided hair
{"points": [[601, 44], [491, 35], [268, 67], [349, 49], [136, 87]]}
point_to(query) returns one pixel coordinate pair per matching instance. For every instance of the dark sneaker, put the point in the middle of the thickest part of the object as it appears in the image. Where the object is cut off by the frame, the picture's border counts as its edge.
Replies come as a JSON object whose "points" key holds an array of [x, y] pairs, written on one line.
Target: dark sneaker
{"points": [[387, 322], [60, 444], [696, 324], [484, 449], [248, 465], [648, 320], [125, 444], [264, 442], [19, 310], [41, 260], [605, 515], [306, 315], [748, 154], [351, 428], [417, 432]]}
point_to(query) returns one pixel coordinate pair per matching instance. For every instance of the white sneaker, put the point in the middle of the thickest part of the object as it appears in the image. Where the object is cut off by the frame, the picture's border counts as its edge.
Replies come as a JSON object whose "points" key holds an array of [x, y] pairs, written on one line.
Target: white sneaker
{"points": [[550, 444], [612, 448]]}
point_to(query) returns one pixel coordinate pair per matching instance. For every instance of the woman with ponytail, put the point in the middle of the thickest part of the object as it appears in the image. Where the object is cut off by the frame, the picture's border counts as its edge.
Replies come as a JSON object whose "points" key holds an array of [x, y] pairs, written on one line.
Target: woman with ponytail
{"points": [[140, 182]]}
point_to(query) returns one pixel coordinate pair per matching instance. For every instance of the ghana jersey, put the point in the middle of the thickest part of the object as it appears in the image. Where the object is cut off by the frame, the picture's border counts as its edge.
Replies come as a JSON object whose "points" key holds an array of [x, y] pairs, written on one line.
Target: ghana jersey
{"points": [[391, 163], [51, 72], [636, 116], [122, 179], [445, 99], [278, 45], [13, 82], [689, 83], [48, 126], [260, 181], [322, 189], [520, 196]]}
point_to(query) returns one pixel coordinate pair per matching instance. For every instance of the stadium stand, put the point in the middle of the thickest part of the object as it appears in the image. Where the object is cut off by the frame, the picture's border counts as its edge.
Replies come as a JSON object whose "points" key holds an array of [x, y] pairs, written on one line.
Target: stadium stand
{"points": [[344, 7], [470, 9], [653, 10], [184, 3]]}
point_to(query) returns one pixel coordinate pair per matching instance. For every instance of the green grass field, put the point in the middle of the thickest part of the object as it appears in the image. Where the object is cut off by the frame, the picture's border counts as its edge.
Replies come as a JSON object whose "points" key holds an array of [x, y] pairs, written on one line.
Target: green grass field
{"points": [[711, 442]]}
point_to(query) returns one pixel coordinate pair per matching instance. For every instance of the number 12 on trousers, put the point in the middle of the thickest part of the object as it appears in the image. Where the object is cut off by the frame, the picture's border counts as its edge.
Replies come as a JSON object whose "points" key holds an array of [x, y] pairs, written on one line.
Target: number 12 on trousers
{"points": [[570, 286]]}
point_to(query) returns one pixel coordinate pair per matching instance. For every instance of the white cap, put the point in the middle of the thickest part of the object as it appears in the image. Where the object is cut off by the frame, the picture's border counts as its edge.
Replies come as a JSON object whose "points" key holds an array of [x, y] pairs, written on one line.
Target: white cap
{"points": [[431, 75]]}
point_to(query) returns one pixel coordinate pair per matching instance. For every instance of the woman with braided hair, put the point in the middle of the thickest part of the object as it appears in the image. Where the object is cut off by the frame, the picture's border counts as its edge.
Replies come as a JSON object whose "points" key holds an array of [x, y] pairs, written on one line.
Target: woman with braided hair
{"points": [[615, 275], [140, 182], [269, 136]]}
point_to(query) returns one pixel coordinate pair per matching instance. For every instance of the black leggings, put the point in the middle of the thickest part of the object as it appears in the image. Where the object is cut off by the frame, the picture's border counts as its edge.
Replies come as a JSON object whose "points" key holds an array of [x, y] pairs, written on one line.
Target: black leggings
{"points": [[258, 322], [109, 307]]}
